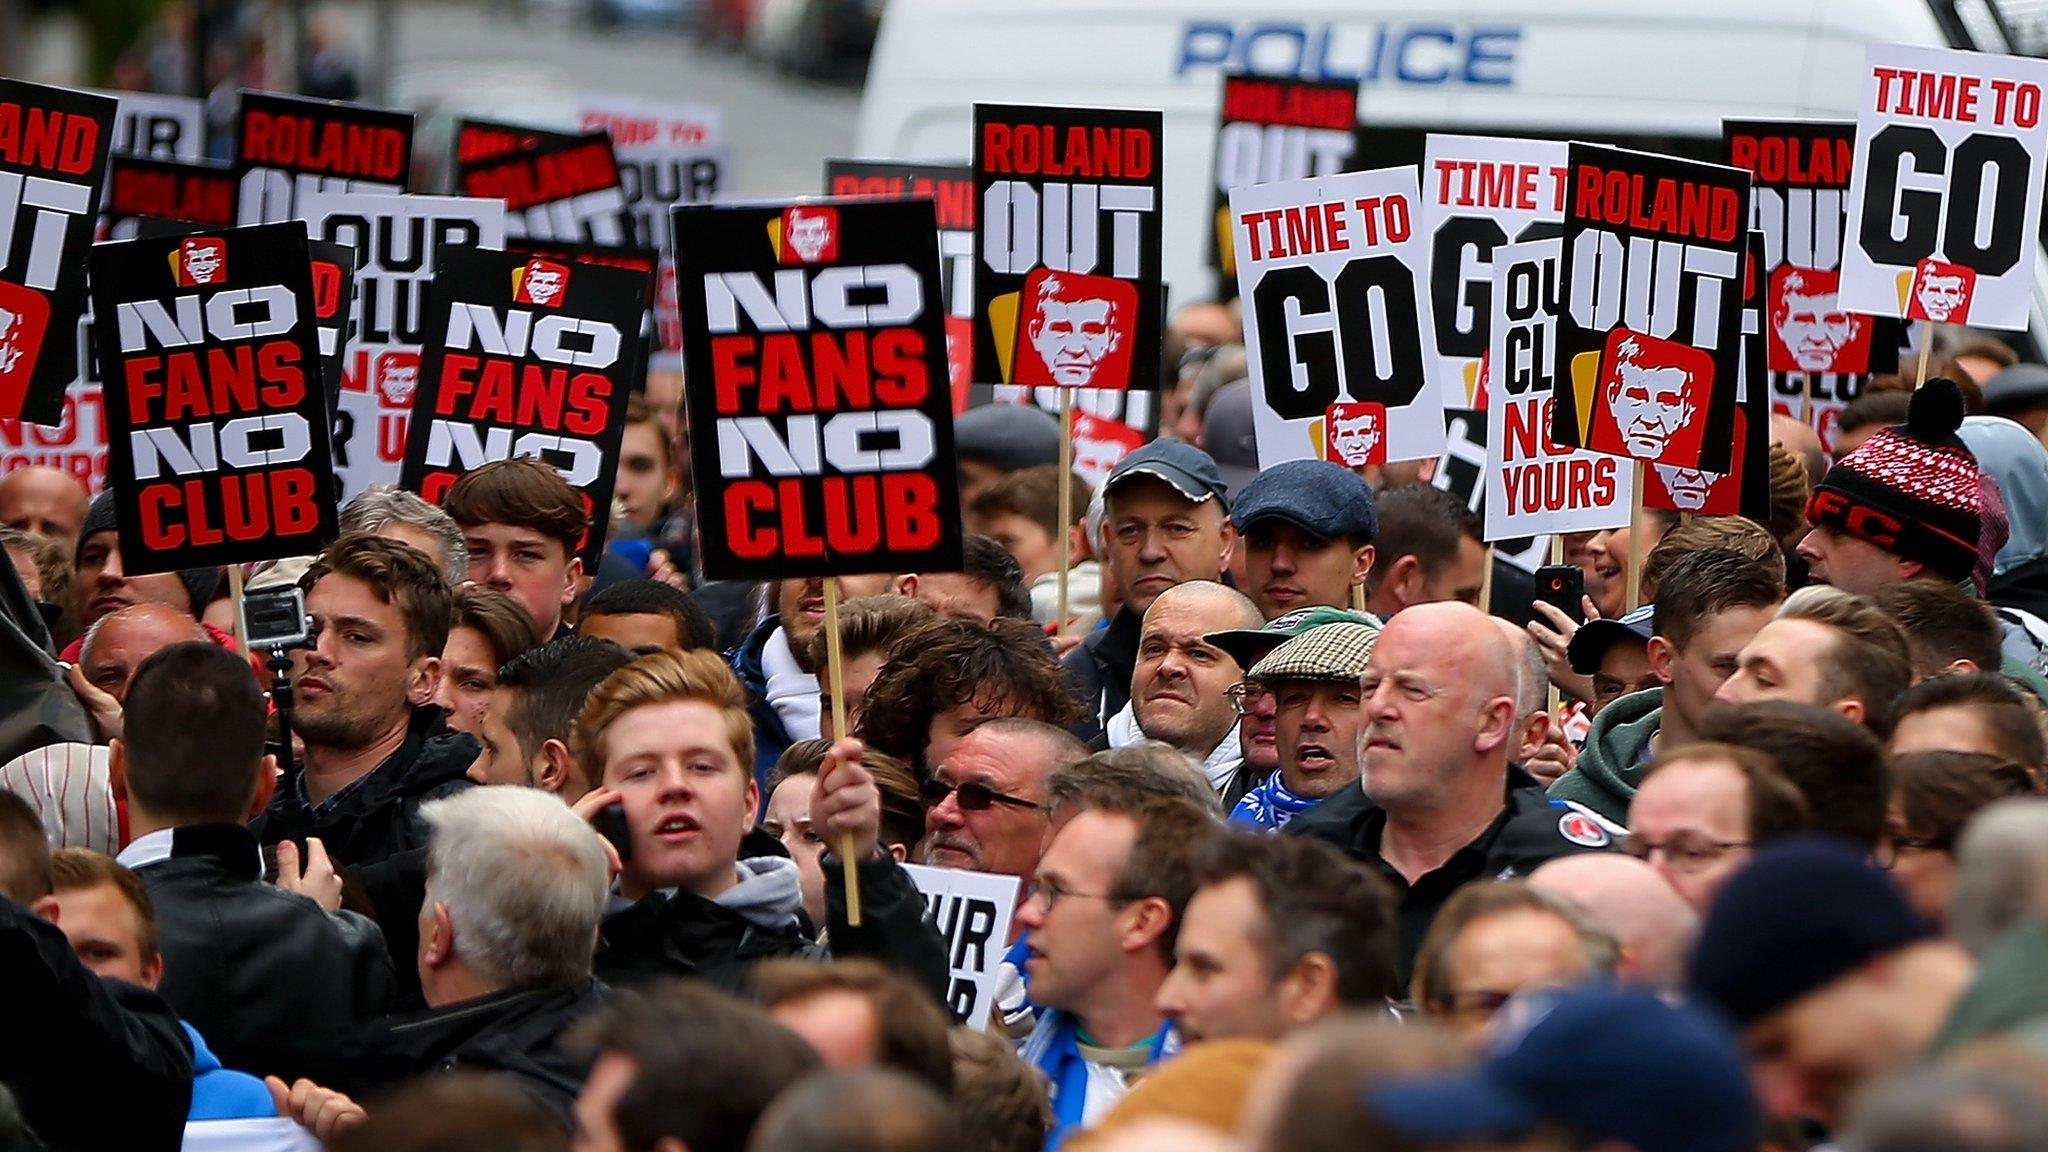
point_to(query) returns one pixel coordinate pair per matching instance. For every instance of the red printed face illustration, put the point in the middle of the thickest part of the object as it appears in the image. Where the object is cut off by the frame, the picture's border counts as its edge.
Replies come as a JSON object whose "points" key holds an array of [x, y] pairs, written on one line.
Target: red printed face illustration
{"points": [[24, 316], [1652, 394], [810, 234], [398, 377], [1076, 331], [1941, 292], [1355, 435], [1809, 331], [1678, 489], [541, 282], [202, 260], [1099, 443]]}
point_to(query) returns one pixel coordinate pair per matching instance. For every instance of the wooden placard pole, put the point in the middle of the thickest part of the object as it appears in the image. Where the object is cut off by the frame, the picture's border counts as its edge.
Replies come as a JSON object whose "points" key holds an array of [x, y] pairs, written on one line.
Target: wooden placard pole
{"points": [[1926, 346], [1635, 541], [1806, 399], [1556, 557], [235, 579], [835, 679], [1486, 582], [1066, 503]]}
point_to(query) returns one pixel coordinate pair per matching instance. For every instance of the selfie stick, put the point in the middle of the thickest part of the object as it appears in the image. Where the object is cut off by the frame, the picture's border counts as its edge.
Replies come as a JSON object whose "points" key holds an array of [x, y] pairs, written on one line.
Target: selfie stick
{"points": [[835, 679]]}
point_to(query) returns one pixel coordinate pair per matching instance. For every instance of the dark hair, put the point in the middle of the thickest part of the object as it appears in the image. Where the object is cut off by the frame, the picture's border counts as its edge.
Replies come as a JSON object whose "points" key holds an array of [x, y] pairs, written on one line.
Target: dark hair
{"points": [[910, 1027], [948, 662], [640, 411], [1315, 899], [1419, 520], [199, 715], [1735, 534], [1706, 583], [1005, 1107], [1776, 806], [708, 1065], [1873, 409], [74, 868], [397, 573], [551, 683], [2006, 713], [522, 491], [455, 1112], [860, 1110], [1938, 792], [1987, 347], [654, 598], [1161, 864], [989, 563], [1123, 779], [902, 802], [502, 621], [873, 624], [1836, 763], [1943, 624], [1034, 494], [24, 852]]}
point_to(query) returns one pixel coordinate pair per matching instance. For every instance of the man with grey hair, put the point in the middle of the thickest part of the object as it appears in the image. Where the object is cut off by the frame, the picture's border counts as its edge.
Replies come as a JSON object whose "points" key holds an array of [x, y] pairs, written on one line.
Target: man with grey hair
{"points": [[1952, 1109], [2001, 876], [390, 511], [516, 885], [1539, 743]]}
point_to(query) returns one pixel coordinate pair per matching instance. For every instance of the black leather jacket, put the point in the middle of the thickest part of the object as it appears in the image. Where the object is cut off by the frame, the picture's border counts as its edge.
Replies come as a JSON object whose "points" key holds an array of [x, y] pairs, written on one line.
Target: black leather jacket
{"points": [[267, 976], [379, 815], [517, 1031]]}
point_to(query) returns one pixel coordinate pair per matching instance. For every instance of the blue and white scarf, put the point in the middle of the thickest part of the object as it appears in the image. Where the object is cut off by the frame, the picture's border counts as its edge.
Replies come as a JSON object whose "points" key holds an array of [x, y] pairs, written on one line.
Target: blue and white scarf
{"points": [[1054, 1048], [1270, 806]]}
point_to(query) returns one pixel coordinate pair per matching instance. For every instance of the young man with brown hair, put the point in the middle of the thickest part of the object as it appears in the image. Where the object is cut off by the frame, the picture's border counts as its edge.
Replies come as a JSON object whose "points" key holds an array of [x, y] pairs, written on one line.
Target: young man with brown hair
{"points": [[668, 740], [523, 526], [376, 746]]}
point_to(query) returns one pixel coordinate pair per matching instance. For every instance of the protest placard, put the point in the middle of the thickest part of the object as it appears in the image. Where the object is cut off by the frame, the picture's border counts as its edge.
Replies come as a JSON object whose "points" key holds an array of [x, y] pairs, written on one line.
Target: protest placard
{"points": [[140, 188], [1478, 193], [53, 167], [158, 125], [950, 187], [1068, 291], [218, 443], [527, 357], [1534, 486], [972, 912], [287, 147], [1649, 342], [556, 186], [397, 242], [816, 385], [1945, 196], [1271, 129], [1331, 271]]}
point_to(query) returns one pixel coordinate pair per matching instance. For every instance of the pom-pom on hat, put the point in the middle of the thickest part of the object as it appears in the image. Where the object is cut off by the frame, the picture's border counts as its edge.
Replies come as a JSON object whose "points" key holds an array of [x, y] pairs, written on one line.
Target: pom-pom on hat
{"points": [[1912, 489]]}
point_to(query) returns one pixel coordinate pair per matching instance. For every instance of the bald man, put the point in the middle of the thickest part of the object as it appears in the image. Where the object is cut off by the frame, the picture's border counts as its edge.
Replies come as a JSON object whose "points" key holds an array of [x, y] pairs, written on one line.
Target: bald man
{"points": [[1439, 804], [45, 501], [1647, 917], [117, 644], [1180, 685]]}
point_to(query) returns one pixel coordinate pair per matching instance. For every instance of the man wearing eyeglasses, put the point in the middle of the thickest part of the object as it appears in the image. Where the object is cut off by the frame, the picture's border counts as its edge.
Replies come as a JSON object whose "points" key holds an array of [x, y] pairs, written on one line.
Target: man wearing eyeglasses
{"points": [[986, 801], [1702, 808], [1103, 914]]}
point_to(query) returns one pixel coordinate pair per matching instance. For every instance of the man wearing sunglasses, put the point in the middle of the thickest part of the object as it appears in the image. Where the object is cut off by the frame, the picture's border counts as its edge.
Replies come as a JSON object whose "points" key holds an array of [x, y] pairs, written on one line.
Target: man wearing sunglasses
{"points": [[985, 803]]}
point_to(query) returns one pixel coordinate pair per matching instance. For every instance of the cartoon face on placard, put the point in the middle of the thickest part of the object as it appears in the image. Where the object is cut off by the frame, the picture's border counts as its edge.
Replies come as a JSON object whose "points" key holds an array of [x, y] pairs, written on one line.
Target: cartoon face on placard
{"points": [[810, 234], [1941, 292], [1651, 394], [202, 260], [398, 377], [1076, 331], [24, 316], [1355, 435], [1681, 489], [541, 282], [1810, 332]]}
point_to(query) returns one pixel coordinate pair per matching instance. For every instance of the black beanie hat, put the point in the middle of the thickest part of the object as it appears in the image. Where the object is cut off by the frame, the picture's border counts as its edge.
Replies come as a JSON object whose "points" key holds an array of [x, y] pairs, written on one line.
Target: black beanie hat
{"points": [[1802, 914], [1912, 489], [200, 583]]}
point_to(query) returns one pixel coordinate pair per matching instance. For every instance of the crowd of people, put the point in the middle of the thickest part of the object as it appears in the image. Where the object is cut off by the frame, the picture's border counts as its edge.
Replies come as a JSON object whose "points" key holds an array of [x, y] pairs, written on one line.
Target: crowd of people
{"points": [[1326, 836]]}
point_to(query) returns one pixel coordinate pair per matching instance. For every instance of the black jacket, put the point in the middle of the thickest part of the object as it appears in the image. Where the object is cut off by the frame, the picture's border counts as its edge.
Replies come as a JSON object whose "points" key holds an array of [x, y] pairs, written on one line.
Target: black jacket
{"points": [[1530, 830], [93, 1063], [379, 816], [268, 977], [686, 935], [1099, 672], [517, 1031]]}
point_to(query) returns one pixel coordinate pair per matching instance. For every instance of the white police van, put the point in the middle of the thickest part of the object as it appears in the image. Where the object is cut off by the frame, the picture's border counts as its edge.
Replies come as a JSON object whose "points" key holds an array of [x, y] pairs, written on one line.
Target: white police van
{"points": [[1655, 74]]}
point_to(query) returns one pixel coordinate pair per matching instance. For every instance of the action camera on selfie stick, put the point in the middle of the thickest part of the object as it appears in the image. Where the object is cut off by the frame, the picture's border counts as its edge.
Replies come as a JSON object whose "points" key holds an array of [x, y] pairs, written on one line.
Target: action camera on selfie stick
{"points": [[275, 621]]}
